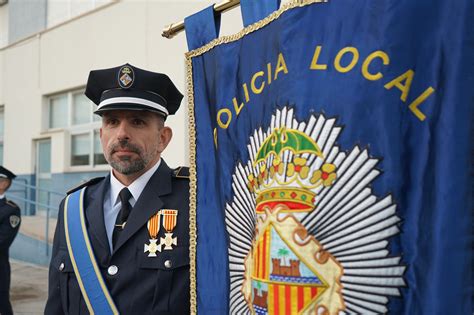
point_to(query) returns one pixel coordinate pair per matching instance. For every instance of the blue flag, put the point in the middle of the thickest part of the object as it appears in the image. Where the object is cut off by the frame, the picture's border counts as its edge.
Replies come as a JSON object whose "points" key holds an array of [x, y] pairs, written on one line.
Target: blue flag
{"points": [[332, 160]]}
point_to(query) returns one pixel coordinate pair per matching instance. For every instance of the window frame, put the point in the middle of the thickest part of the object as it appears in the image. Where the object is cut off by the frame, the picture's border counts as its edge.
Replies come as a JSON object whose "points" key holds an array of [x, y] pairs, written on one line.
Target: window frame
{"points": [[75, 134], [49, 112], [71, 130]]}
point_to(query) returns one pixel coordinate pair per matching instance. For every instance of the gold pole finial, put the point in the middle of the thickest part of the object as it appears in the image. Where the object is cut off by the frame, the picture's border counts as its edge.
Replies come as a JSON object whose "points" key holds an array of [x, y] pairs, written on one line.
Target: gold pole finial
{"points": [[171, 30]]}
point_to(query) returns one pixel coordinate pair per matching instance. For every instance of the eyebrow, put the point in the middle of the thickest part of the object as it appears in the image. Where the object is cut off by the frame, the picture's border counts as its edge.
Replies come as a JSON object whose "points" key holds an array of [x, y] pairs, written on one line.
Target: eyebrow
{"points": [[130, 116]]}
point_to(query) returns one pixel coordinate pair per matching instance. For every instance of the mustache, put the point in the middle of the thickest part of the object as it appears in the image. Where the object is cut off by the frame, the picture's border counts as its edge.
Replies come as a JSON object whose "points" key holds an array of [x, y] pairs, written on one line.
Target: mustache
{"points": [[124, 145]]}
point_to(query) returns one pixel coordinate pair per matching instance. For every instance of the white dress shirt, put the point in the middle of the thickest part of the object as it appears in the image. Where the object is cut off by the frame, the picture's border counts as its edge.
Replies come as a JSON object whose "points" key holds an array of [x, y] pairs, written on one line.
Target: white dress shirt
{"points": [[112, 202]]}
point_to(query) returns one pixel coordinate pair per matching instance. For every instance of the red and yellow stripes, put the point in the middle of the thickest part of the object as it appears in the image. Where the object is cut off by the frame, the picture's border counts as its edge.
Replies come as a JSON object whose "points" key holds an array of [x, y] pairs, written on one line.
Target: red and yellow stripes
{"points": [[169, 219], [283, 298], [154, 225], [289, 299], [261, 266]]}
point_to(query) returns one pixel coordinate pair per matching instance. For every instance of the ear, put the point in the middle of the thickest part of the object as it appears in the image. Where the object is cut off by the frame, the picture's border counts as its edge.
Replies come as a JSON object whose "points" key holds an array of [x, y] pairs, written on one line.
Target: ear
{"points": [[165, 137]]}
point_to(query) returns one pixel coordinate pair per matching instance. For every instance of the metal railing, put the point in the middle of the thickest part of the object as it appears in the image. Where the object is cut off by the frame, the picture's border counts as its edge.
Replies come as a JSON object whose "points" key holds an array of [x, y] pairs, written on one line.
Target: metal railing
{"points": [[30, 193]]}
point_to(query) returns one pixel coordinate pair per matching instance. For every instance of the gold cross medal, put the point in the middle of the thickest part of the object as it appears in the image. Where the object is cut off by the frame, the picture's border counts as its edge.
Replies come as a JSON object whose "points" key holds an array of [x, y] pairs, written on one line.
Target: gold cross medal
{"points": [[169, 223], [153, 226]]}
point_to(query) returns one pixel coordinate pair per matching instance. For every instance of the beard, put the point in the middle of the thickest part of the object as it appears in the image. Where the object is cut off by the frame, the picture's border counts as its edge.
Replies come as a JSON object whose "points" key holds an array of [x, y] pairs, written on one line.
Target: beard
{"points": [[128, 165]]}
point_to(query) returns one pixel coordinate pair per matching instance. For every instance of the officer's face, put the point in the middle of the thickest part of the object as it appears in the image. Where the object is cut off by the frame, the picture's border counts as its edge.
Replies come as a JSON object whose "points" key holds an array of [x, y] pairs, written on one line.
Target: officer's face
{"points": [[4, 184], [132, 141]]}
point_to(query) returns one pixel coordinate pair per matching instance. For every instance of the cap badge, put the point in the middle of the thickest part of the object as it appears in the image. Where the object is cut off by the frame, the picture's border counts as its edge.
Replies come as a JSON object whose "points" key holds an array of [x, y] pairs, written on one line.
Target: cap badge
{"points": [[125, 77]]}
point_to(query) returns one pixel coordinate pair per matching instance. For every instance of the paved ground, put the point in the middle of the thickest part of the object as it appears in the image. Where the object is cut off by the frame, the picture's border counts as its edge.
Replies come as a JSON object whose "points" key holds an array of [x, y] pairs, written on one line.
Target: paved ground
{"points": [[29, 288], [29, 282]]}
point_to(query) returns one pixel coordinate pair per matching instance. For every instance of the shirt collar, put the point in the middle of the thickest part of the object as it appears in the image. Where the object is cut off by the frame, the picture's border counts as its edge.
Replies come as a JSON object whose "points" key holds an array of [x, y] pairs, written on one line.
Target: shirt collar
{"points": [[135, 188]]}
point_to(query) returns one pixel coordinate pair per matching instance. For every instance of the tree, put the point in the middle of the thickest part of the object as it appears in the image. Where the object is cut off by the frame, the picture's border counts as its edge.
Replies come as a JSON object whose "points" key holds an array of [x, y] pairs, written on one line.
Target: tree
{"points": [[283, 252]]}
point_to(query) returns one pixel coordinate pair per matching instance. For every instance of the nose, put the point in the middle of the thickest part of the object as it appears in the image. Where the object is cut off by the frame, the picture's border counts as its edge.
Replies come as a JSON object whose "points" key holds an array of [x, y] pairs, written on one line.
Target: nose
{"points": [[123, 131]]}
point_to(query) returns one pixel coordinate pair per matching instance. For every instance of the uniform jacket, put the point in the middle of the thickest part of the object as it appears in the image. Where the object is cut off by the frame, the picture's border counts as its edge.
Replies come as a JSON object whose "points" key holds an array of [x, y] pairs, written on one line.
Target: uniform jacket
{"points": [[142, 284], [9, 226]]}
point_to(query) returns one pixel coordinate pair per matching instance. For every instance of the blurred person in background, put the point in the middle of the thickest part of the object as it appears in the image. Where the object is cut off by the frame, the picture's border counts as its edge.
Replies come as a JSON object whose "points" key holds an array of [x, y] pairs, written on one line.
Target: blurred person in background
{"points": [[10, 218]]}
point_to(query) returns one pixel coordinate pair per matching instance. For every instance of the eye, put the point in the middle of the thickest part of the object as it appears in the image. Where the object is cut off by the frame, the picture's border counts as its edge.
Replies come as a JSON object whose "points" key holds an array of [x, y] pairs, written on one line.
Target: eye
{"points": [[111, 121], [138, 122]]}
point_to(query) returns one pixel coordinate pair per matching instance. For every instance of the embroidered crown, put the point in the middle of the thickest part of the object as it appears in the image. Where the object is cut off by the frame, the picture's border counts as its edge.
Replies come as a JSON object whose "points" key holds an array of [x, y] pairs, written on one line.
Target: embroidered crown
{"points": [[285, 171]]}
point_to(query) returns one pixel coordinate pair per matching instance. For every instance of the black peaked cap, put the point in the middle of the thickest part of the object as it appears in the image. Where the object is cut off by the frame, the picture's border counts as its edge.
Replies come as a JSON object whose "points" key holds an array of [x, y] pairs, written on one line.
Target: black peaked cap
{"points": [[5, 173], [129, 87]]}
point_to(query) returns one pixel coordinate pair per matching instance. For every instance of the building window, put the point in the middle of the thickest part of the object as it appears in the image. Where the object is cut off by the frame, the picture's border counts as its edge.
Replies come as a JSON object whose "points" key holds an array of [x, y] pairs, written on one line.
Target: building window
{"points": [[81, 109], [74, 112], [3, 24], [98, 155], [64, 10], [80, 148], [58, 111]]}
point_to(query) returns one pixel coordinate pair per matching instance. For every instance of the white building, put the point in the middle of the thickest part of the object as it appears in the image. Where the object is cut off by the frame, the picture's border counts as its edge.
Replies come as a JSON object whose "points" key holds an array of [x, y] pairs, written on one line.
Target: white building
{"points": [[48, 133]]}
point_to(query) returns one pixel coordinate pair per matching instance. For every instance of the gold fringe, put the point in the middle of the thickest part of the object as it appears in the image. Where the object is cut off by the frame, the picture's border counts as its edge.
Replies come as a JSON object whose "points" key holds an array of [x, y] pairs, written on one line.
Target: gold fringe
{"points": [[192, 186], [192, 131]]}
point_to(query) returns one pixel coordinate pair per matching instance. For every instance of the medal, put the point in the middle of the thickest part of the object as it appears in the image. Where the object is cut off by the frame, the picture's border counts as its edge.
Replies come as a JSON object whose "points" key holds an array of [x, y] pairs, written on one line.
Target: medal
{"points": [[169, 223], [152, 248], [153, 226]]}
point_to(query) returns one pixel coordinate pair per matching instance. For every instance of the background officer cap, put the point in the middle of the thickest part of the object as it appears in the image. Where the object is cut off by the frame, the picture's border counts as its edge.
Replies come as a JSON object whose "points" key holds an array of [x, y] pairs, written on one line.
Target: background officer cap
{"points": [[4, 173], [129, 87]]}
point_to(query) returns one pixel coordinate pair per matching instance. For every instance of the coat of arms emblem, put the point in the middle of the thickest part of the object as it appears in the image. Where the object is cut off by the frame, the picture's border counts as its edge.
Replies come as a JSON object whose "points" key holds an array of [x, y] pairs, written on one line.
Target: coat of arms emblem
{"points": [[307, 235]]}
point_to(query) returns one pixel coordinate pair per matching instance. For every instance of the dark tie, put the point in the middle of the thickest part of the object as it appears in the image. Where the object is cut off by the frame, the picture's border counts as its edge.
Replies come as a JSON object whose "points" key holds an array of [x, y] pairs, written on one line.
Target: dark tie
{"points": [[122, 216]]}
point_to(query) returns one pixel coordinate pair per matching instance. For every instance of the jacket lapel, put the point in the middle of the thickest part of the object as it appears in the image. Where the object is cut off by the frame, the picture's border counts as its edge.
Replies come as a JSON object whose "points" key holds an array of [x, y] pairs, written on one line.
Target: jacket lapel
{"points": [[95, 215], [148, 203]]}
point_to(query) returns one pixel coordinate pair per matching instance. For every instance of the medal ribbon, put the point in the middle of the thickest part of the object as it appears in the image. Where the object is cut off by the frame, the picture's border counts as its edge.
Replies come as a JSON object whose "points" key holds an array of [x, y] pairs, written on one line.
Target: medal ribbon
{"points": [[169, 219], [154, 225]]}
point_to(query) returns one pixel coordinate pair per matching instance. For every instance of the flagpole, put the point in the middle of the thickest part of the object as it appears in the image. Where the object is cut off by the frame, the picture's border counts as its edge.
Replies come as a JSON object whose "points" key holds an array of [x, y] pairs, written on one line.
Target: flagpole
{"points": [[171, 30]]}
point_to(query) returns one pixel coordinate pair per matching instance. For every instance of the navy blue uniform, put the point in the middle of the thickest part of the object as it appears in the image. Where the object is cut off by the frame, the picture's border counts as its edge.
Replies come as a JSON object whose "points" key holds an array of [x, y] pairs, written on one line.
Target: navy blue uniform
{"points": [[9, 225], [137, 283]]}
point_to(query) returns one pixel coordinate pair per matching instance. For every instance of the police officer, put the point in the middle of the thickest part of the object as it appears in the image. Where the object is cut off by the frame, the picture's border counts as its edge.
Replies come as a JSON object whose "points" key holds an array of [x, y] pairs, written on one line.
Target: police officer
{"points": [[9, 224], [136, 218]]}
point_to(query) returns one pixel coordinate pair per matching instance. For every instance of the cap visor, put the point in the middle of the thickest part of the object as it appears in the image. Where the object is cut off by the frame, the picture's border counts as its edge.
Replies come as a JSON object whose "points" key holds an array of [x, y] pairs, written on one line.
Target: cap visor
{"points": [[128, 107]]}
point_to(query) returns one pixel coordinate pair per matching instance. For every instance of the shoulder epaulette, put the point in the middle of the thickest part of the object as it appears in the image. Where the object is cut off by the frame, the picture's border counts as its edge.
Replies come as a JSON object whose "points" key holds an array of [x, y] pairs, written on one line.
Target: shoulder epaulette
{"points": [[181, 172], [84, 184], [11, 203]]}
